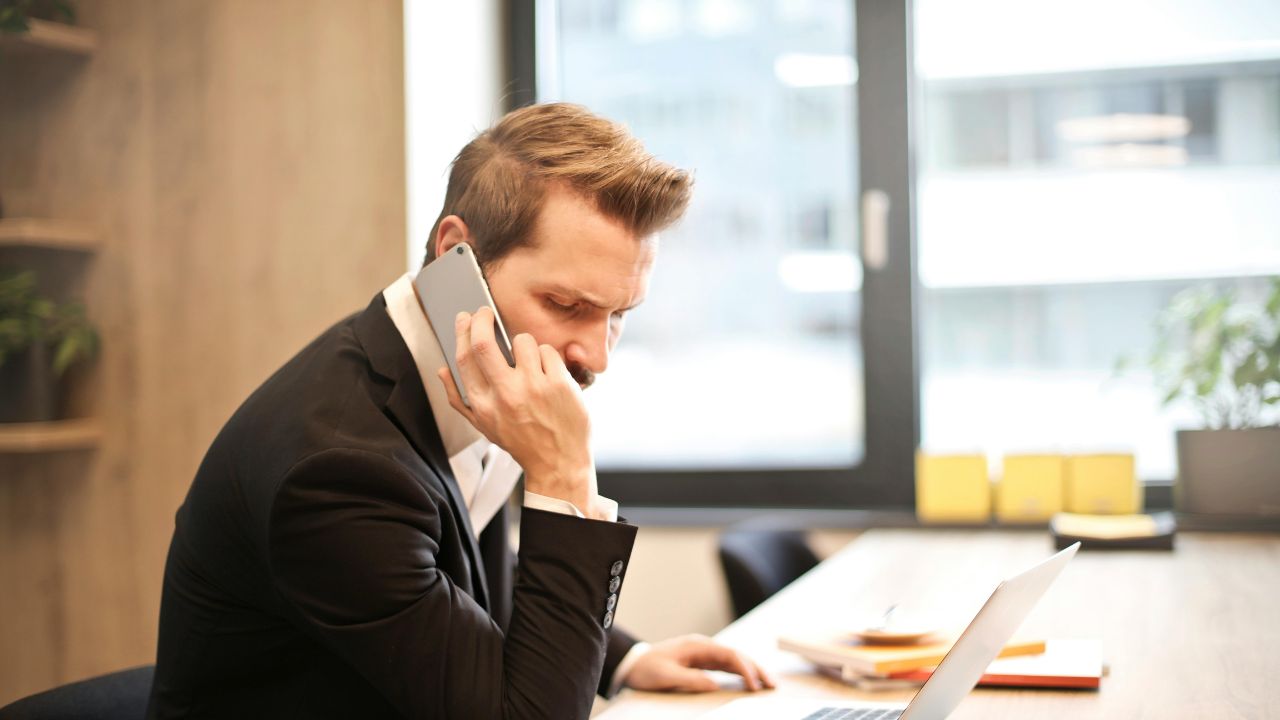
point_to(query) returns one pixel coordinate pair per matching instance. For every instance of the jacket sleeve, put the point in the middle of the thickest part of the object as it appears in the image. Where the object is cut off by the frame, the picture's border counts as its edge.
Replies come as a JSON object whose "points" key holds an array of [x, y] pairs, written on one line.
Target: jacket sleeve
{"points": [[620, 643], [353, 540]]}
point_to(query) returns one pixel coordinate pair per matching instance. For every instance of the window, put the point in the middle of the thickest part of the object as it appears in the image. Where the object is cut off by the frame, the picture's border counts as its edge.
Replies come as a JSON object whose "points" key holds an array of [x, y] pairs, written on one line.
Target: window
{"points": [[752, 312], [741, 381], [1047, 177], [1068, 190]]}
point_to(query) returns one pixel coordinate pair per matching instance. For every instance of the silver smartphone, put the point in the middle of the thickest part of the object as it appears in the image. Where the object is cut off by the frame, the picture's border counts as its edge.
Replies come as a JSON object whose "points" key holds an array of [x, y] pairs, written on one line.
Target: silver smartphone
{"points": [[448, 285]]}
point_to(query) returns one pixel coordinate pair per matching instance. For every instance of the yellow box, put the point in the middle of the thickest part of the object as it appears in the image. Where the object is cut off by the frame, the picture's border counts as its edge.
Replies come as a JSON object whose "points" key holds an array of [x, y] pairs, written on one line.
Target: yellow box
{"points": [[1031, 487], [1102, 485], [952, 488]]}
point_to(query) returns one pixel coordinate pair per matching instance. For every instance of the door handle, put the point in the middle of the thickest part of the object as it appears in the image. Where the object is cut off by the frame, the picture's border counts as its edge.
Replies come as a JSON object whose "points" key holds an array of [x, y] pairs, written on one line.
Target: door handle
{"points": [[875, 229]]}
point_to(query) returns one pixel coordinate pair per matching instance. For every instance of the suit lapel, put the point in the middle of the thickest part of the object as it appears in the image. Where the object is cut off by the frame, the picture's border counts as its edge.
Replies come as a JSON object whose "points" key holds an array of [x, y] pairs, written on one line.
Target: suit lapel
{"points": [[408, 407]]}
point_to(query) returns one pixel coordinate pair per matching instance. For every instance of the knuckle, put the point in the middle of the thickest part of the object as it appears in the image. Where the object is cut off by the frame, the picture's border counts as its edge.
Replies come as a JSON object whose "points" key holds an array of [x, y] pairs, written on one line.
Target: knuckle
{"points": [[539, 391], [481, 347], [481, 407], [505, 400]]}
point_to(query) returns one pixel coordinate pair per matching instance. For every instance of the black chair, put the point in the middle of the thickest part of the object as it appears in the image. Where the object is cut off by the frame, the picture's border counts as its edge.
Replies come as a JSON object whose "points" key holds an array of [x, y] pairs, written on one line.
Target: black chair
{"points": [[117, 696], [758, 563]]}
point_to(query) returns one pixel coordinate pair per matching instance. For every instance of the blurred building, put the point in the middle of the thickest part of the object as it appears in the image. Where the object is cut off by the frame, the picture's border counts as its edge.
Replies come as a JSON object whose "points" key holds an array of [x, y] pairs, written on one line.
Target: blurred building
{"points": [[1078, 165]]}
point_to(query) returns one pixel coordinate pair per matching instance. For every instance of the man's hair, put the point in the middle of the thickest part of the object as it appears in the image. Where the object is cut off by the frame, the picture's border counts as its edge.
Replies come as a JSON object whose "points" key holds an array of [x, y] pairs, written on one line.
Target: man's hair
{"points": [[497, 182]]}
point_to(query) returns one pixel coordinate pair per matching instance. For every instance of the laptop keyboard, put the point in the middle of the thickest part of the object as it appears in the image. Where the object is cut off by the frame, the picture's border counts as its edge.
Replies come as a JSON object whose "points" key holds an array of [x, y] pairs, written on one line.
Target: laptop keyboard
{"points": [[831, 713]]}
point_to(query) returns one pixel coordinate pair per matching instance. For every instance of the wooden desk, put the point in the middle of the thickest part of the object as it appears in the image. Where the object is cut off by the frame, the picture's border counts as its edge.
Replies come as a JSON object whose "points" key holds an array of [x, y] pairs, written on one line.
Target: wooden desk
{"points": [[1192, 633]]}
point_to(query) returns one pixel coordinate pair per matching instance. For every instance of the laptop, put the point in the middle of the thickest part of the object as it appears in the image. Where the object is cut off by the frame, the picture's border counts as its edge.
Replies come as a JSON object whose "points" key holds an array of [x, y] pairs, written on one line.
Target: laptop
{"points": [[954, 677]]}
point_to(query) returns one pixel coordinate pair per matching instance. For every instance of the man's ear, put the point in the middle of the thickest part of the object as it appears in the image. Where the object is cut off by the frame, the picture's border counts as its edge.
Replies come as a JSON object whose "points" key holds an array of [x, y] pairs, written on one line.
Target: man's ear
{"points": [[452, 231]]}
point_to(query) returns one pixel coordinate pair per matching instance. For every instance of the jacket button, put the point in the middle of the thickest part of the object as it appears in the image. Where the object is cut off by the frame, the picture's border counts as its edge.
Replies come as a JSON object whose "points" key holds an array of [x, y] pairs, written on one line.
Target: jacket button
{"points": [[616, 570], [611, 603], [608, 620], [614, 584]]}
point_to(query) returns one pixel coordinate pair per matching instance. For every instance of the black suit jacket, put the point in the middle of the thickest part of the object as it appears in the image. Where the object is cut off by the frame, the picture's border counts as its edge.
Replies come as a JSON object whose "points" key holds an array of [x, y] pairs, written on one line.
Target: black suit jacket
{"points": [[323, 564]]}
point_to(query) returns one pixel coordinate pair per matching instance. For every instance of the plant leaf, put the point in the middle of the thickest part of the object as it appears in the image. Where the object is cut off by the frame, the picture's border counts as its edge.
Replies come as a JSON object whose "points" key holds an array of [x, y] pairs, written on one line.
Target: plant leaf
{"points": [[1273, 302], [64, 356]]}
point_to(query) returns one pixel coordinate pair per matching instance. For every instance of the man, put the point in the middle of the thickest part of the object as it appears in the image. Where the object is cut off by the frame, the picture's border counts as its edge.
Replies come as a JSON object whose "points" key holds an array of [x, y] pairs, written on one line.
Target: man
{"points": [[343, 550]]}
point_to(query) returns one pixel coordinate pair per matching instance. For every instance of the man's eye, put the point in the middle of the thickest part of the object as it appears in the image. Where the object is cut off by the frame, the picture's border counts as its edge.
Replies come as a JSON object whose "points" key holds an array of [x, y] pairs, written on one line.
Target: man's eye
{"points": [[562, 308]]}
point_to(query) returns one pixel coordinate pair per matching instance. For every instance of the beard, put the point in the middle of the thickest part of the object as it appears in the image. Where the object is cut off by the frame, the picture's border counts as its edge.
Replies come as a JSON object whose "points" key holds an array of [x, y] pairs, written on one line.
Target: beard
{"points": [[584, 377]]}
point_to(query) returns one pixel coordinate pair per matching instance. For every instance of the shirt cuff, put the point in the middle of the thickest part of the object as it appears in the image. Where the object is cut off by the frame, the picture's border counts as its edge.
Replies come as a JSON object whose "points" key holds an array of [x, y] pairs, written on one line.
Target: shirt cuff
{"points": [[621, 672], [564, 507]]}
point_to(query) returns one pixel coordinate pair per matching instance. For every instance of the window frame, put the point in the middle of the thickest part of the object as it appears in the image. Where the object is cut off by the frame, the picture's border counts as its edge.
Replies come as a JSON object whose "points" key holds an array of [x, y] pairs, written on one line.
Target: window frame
{"points": [[885, 478]]}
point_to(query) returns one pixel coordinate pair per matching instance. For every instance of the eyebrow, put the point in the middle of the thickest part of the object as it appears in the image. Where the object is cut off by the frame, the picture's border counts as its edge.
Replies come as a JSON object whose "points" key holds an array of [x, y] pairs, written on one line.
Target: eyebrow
{"points": [[579, 296]]}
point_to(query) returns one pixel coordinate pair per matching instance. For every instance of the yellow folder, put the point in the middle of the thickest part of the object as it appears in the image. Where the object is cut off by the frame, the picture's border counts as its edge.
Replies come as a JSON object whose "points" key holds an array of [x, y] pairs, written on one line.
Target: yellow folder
{"points": [[952, 488], [1102, 485], [1031, 488]]}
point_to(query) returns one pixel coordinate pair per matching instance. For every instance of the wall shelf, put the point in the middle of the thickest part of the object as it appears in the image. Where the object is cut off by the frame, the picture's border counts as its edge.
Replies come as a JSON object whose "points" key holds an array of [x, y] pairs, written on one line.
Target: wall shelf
{"points": [[49, 38], [46, 437], [47, 234]]}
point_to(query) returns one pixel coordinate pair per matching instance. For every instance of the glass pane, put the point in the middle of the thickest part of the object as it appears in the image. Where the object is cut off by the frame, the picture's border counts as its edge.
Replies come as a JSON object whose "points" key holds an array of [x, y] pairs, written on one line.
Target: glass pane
{"points": [[1082, 163], [746, 352]]}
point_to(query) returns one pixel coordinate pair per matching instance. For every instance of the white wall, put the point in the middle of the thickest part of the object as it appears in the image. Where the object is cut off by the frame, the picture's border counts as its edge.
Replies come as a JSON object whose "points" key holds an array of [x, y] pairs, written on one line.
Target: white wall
{"points": [[453, 89], [675, 586]]}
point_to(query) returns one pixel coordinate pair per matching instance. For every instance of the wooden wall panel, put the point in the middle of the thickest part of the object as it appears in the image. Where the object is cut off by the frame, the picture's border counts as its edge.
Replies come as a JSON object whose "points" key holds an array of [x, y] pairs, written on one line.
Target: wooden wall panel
{"points": [[244, 162]]}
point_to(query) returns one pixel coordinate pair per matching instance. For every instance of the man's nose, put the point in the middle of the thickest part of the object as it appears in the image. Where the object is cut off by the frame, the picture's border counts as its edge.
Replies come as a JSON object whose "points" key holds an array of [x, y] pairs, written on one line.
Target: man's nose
{"points": [[591, 349]]}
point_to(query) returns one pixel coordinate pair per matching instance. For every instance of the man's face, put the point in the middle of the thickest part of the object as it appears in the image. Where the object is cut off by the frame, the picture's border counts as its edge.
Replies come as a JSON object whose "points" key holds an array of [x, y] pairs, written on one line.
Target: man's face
{"points": [[572, 287]]}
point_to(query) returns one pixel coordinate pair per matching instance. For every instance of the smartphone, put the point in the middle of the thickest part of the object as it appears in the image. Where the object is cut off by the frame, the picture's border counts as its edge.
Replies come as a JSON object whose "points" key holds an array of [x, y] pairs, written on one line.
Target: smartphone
{"points": [[448, 285]]}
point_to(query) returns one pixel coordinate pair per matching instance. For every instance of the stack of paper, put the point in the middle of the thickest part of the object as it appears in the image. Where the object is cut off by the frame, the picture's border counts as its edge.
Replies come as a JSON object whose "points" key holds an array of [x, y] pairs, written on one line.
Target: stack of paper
{"points": [[881, 660], [1153, 532], [1063, 664], [1036, 663]]}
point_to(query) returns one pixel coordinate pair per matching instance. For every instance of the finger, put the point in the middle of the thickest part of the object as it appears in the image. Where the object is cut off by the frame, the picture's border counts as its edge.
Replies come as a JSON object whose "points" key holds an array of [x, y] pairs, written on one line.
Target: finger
{"points": [[484, 345], [455, 400], [719, 657], [525, 350], [685, 679], [473, 377], [765, 678], [553, 365]]}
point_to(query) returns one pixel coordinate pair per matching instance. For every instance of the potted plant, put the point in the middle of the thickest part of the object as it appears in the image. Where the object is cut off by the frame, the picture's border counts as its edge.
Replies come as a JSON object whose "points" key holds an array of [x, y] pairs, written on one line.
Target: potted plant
{"points": [[39, 341], [15, 14], [1222, 355]]}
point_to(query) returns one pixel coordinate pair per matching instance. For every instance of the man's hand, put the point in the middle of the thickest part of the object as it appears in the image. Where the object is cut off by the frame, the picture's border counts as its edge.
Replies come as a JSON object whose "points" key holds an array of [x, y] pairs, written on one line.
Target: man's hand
{"points": [[534, 410], [677, 665]]}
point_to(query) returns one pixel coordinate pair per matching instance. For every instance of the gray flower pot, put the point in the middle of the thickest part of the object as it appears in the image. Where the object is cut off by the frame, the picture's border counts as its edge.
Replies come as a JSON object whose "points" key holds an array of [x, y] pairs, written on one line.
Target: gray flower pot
{"points": [[28, 388], [1229, 473]]}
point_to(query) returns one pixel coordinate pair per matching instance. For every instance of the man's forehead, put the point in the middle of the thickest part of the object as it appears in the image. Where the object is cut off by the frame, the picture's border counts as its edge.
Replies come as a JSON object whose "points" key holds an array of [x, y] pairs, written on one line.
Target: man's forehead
{"points": [[592, 246]]}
